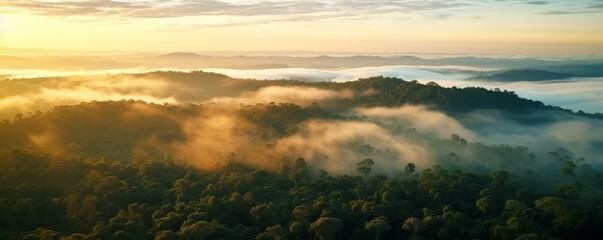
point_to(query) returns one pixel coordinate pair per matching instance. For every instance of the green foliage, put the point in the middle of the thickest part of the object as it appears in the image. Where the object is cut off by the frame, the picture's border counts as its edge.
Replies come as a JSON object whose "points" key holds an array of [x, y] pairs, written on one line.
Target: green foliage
{"points": [[61, 196], [102, 170], [568, 168], [378, 225], [364, 166], [326, 228], [409, 168]]}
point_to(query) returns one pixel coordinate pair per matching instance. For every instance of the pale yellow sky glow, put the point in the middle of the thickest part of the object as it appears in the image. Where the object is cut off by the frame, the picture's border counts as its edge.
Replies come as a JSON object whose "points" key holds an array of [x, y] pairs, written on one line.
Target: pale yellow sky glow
{"points": [[397, 26]]}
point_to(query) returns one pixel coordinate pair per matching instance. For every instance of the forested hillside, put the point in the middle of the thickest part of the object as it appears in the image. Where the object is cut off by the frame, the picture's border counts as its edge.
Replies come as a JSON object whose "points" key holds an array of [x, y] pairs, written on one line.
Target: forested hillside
{"points": [[200, 87], [377, 158]]}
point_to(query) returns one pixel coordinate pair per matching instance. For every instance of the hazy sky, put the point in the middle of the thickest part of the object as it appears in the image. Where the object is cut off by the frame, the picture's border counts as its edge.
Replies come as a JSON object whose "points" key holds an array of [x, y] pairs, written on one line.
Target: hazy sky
{"points": [[394, 26]]}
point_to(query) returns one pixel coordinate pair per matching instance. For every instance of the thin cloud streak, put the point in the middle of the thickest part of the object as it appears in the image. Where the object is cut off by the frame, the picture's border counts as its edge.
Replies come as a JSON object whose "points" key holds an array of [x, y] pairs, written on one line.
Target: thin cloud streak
{"points": [[558, 12], [176, 8]]}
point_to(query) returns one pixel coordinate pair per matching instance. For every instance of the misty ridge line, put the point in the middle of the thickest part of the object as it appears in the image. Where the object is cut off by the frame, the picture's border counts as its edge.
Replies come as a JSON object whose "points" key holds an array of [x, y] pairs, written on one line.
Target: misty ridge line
{"points": [[189, 60], [21, 95], [540, 78], [200, 87]]}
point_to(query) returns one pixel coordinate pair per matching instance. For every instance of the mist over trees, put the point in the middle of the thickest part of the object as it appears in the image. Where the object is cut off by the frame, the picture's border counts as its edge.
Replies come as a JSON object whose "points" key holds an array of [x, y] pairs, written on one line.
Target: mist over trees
{"points": [[377, 158], [51, 196], [41, 94]]}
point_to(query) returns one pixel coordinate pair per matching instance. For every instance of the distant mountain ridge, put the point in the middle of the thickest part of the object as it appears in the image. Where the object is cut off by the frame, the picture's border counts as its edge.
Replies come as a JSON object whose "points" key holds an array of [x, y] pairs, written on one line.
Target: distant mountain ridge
{"points": [[524, 75], [576, 70], [180, 55], [192, 60], [353, 61]]}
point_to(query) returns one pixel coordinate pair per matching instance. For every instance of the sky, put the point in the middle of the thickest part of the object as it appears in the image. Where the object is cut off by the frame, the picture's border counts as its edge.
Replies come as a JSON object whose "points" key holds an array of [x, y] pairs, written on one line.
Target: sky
{"points": [[359, 26]]}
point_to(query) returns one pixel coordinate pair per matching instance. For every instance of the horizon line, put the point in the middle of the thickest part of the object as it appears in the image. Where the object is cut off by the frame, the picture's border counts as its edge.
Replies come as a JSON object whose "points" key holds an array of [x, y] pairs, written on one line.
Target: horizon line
{"points": [[292, 53]]}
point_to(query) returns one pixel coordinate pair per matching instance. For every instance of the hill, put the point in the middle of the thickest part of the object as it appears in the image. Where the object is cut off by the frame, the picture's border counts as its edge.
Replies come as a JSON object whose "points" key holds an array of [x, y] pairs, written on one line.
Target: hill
{"points": [[588, 70], [179, 55], [94, 61], [524, 75], [198, 87]]}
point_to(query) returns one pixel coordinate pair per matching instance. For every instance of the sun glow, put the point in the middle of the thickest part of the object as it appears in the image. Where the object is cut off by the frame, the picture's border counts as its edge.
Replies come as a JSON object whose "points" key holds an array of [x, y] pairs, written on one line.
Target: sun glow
{"points": [[431, 27]]}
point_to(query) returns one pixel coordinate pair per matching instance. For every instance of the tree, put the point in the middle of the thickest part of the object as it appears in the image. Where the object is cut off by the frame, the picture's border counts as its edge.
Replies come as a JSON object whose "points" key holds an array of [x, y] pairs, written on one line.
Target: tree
{"points": [[42, 234], [300, 163], [565, 214], [199, 230], [409, 168], [413, 224], [25, 212], [263, 236], [364, 166], [298, 229], [166, 235], [275, 232], [485, 204], [568, 168], [325, 228], [378, 225], [264, 213], [499, 176], [432, 84], [457, 139]]}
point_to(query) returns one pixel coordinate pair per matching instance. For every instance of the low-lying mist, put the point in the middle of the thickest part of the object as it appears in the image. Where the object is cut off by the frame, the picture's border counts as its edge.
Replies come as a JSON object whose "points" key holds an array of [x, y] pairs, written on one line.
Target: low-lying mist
{"points": [[391, 137], [172, 154], [332, 145], [574, 93], [40, 94], [295, 94], [272, 136]]}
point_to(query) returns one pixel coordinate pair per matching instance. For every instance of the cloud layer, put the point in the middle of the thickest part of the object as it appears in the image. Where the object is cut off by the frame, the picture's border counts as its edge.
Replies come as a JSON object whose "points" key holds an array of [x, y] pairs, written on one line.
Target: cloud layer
{"points": [[179, 8]]}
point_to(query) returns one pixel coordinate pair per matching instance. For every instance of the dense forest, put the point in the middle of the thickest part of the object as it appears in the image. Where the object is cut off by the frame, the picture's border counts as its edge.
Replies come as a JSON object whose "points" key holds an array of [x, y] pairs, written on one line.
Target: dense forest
{"points": [[52, 196], [201, 87], [335, 167]]}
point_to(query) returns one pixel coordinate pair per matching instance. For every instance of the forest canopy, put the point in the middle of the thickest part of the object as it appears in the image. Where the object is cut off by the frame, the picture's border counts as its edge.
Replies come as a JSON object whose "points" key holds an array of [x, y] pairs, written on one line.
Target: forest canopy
{"points": [[377, 158]]}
